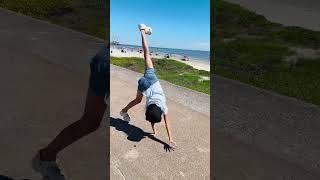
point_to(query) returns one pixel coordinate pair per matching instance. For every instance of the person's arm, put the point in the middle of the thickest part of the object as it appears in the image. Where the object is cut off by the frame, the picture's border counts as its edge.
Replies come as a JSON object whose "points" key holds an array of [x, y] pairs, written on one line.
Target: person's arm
{"points": [[153, 129], [168, 127], [147, 58]]}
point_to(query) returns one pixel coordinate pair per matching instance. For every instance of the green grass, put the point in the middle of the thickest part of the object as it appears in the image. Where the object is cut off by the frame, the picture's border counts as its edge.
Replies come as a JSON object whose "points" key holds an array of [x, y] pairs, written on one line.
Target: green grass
{"points": [[249, 48], [170, 70], [251, 52], [90, 17], [233, 21], [38, 8], [301, 81]]}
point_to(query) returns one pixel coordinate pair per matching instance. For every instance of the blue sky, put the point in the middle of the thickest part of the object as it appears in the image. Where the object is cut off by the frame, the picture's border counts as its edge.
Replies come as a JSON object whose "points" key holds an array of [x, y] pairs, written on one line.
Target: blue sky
{"points": [[182, 24]]}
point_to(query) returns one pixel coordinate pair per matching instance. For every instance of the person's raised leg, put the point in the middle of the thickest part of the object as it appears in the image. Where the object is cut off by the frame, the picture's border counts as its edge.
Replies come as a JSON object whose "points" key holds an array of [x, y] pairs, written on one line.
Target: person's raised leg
{"points": [[89, 122], [147, 57]]}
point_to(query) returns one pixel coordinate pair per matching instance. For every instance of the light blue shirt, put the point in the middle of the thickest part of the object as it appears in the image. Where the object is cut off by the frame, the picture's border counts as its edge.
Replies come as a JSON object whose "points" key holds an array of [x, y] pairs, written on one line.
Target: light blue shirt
{"points": [[155, 95]]}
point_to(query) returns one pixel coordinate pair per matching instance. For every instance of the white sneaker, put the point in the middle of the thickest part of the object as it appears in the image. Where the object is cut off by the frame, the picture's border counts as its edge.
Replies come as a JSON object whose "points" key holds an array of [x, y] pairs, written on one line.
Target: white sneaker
{"points": [[142, 26], [125, 116], [48, 169], [148, 30]]}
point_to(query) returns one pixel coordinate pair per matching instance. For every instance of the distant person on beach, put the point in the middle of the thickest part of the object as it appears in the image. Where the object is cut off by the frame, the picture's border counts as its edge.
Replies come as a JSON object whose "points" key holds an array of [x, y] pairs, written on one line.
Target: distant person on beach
{"points": [[96, 103], [149, 86], [185, 58]]}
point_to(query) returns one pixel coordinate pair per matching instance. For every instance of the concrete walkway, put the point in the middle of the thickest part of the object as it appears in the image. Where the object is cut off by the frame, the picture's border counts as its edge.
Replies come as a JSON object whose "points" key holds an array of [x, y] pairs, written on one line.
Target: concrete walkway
{"points": [[282, 126], [44, 76], [135, 156]]}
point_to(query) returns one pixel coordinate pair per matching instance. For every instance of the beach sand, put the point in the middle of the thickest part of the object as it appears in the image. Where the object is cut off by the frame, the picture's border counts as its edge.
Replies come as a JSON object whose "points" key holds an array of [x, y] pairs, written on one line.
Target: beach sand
{"points": [[194, 63]]}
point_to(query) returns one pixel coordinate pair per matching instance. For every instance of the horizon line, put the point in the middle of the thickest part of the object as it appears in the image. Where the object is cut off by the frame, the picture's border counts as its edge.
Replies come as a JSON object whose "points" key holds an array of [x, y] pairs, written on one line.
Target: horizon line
{"points": [[166, 47]]}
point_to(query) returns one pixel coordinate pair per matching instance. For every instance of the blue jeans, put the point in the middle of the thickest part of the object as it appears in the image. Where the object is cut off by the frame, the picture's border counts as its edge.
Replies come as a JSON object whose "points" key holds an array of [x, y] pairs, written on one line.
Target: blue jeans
{"points": [[99, 81], [147, 80]]}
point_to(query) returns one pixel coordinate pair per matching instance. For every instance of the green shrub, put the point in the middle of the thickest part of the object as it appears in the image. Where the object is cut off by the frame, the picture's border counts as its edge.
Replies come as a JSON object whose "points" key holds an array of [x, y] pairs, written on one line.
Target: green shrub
{"points": [[95, 4], [38, 8]]}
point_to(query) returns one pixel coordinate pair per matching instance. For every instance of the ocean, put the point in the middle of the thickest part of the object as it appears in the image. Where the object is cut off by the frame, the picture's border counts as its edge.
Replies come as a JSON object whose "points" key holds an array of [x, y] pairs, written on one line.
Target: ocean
{"points": [[192, 54]]}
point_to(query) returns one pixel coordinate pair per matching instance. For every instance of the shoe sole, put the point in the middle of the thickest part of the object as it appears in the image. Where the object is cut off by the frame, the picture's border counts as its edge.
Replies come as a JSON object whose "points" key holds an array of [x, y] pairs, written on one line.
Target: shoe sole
{"points": [[36, 166], [124, 117]]}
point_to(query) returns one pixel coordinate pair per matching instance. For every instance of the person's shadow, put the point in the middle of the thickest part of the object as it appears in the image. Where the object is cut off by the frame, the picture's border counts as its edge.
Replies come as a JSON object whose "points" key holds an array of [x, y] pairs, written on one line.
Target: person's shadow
{"points": [[2, 177], [136, 134]]}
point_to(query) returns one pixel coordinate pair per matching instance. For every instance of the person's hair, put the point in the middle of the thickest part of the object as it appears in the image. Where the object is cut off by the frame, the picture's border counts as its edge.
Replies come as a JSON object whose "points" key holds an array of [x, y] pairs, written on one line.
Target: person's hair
{"points": [[153, 113]]}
